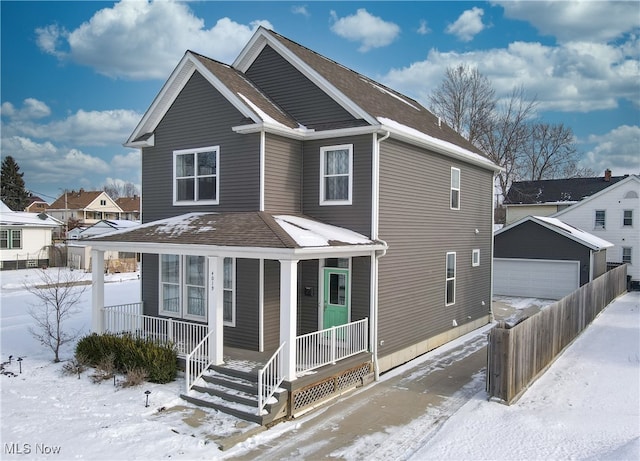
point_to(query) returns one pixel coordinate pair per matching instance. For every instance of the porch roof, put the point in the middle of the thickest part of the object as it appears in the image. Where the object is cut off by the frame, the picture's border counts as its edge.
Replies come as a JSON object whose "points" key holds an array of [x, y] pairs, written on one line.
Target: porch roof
{"points": [[265, 234]]}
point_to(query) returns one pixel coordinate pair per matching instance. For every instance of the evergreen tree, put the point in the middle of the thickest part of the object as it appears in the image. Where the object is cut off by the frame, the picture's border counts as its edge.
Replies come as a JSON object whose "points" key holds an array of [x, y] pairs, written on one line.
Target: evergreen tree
{"points": [[12, 190]]}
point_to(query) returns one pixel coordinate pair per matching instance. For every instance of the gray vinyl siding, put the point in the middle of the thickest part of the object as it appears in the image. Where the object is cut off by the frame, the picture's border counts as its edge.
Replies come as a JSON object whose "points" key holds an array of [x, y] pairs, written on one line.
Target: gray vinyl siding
{"points": [[308, 303], [532, 241], [420, 228], [201, 117], [294, 92], [356, 216], [360, 288], [271, 305], [283, 175], [149, 280], [246, 332]]}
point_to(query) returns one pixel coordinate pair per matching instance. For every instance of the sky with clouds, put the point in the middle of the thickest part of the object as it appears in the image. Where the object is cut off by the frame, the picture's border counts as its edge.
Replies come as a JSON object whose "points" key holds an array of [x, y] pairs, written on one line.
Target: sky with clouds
{"points": [[76, 77]]}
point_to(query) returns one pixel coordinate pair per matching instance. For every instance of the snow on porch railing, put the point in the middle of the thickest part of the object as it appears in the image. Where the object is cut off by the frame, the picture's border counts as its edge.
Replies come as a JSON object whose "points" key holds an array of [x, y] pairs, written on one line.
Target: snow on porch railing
{"points": [[128, 318], [323, 347]]}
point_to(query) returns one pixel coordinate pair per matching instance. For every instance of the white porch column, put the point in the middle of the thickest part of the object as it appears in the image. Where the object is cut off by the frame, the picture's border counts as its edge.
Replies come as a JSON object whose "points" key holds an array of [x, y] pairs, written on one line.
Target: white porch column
{"points": [[216, 308], [288, 315], [97, 291]]}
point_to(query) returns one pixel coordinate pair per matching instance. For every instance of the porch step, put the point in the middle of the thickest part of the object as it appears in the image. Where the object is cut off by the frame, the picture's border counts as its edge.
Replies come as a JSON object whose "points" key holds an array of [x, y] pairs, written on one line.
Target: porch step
{"points": [[235, 392]]}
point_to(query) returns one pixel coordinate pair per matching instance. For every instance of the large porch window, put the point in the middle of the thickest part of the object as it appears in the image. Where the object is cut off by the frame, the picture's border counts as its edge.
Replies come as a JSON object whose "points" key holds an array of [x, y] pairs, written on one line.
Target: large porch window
{"points": [[183, 288], [183, 292]]}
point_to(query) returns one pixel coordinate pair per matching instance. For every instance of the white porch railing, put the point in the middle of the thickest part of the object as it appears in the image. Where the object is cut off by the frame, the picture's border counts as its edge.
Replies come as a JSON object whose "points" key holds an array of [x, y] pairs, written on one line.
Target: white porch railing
{"points": [[197, 361], [128, 318], [269, 378], [330, 345]]}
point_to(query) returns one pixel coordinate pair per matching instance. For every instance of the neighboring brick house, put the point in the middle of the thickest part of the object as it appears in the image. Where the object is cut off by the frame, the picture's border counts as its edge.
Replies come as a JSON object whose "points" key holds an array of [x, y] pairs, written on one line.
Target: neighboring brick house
{"points": [[292, 206]]}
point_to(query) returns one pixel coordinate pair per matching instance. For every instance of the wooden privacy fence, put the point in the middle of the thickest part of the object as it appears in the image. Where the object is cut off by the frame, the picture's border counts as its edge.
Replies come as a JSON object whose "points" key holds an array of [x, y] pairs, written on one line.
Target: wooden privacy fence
{"points": [[517, 355]]}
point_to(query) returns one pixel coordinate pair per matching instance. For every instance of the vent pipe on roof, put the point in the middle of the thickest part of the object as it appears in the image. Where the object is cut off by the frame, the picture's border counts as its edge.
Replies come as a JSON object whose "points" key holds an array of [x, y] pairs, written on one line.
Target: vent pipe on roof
{"points": [[607, 175], [439, 122]]}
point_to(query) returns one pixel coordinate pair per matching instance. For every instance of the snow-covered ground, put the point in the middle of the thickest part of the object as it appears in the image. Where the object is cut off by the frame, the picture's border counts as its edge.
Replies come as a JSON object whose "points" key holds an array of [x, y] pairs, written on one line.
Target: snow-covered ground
{"points": [[586, 406]]}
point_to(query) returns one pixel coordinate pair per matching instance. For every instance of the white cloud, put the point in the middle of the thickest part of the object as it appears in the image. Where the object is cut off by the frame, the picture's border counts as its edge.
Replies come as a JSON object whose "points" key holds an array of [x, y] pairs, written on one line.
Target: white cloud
{"points": [[138, 39], [371, 31], [300, 10], [576, 76], [595, 21], [85, 128], [616, 150], [130, 160], [31, 109], [424, 28], [468, 25]]}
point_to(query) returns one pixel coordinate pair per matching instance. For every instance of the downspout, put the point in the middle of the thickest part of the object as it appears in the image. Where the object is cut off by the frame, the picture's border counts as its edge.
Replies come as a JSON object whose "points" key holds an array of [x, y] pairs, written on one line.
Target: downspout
{"points": [[493, 220], [375, 210]]}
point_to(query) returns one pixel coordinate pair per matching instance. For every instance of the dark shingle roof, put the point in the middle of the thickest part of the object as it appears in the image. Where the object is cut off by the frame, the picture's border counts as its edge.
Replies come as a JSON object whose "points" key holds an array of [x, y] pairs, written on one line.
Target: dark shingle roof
{"points": [[556, 190]]}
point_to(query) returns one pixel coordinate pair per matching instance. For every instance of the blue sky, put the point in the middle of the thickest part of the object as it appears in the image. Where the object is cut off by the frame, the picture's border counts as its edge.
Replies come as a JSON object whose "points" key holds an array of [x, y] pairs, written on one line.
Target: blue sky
{"points": [[76, 77]]}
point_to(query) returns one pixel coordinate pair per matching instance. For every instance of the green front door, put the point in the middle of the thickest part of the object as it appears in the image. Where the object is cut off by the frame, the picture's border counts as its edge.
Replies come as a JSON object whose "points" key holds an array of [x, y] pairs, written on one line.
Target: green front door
{"points": [[336, 297]]}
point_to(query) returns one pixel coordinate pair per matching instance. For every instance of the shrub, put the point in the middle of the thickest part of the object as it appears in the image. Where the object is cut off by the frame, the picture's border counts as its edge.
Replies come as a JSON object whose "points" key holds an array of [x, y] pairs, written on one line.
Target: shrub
{"points": [[134, 377], [75, 366], [159, 361]]}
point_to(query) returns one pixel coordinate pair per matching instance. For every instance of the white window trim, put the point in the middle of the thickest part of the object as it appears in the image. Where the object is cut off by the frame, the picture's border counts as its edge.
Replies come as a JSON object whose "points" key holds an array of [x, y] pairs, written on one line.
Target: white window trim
{"points": [[623, 218], [455, 188], [447, 279], [595, 219], [475, 257], [182, 313], [231, 323], [176, 153], [323, 151], [11, 239], [630, 255]]}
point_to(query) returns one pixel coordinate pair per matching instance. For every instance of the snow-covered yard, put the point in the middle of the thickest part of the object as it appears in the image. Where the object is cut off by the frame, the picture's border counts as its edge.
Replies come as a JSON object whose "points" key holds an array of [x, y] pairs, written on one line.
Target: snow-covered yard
{"points": [[587, 405]]}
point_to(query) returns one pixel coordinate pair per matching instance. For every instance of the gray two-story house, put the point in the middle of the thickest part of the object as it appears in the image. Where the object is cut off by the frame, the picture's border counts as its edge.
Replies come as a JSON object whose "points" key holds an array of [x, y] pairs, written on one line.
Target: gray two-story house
{"points": [[299, 211]]}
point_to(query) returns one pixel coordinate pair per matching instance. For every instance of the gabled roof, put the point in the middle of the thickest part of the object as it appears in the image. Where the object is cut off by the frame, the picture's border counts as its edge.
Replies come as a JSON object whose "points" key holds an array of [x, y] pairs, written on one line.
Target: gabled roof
{"points": [[557, 190], [131, 204], [377, 107], [77, 200], [625, 180], [107, 225], [564, 229]]}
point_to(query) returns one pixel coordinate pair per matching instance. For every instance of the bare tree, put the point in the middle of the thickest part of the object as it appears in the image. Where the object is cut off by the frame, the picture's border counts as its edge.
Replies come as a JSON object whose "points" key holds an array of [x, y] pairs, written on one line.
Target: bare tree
{"points": [[550, 153], [117, 189], [507, 134], [58, 297], [465, 100]]}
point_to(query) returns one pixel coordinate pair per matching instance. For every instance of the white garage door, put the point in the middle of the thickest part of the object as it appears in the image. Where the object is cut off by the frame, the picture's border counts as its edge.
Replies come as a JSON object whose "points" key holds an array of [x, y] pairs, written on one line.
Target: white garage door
{"points": [[535, 278]]}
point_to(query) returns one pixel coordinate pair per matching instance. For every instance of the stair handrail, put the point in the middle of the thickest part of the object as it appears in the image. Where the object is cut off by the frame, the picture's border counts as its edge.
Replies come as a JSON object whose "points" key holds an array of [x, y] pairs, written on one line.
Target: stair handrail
{"points": [[270, 376], [199, 355]]}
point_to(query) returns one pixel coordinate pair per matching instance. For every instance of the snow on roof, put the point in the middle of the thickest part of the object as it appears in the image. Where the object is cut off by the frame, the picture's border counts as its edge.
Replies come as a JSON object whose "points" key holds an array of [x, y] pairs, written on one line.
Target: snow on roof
{"points": [[578, 234], [309, 233], [445, 145], [22, 218]]}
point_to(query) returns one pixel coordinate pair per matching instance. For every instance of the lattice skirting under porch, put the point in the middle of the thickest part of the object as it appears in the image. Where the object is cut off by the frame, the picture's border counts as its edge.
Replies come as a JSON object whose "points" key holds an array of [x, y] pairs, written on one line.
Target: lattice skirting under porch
{"points": [[307, 397]]}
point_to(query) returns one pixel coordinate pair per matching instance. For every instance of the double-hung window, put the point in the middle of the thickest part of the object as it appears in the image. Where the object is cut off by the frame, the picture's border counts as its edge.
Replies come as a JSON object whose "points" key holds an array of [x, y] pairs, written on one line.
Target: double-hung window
{"points": [[10, 238], [336, 175], [626, 255], [183, 287], [455, 188], [450, 285], [600, 219], [196, 176], [627, 218]]}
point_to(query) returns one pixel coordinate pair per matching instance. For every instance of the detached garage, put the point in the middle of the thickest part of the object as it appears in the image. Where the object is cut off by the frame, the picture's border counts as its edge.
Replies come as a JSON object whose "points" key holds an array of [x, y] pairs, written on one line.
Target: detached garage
{"points": [[543, 257]]}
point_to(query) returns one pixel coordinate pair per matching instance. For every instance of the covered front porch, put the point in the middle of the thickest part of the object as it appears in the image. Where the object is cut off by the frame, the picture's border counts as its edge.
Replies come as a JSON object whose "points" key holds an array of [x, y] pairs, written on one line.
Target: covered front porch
{"points": [[201, 344]]}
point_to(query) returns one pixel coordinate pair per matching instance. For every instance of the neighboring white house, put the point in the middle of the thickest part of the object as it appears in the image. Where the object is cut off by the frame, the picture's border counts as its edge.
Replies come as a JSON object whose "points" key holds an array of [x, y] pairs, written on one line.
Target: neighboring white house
{"points": [[79, 254], [614, 215], [26, 238]]}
